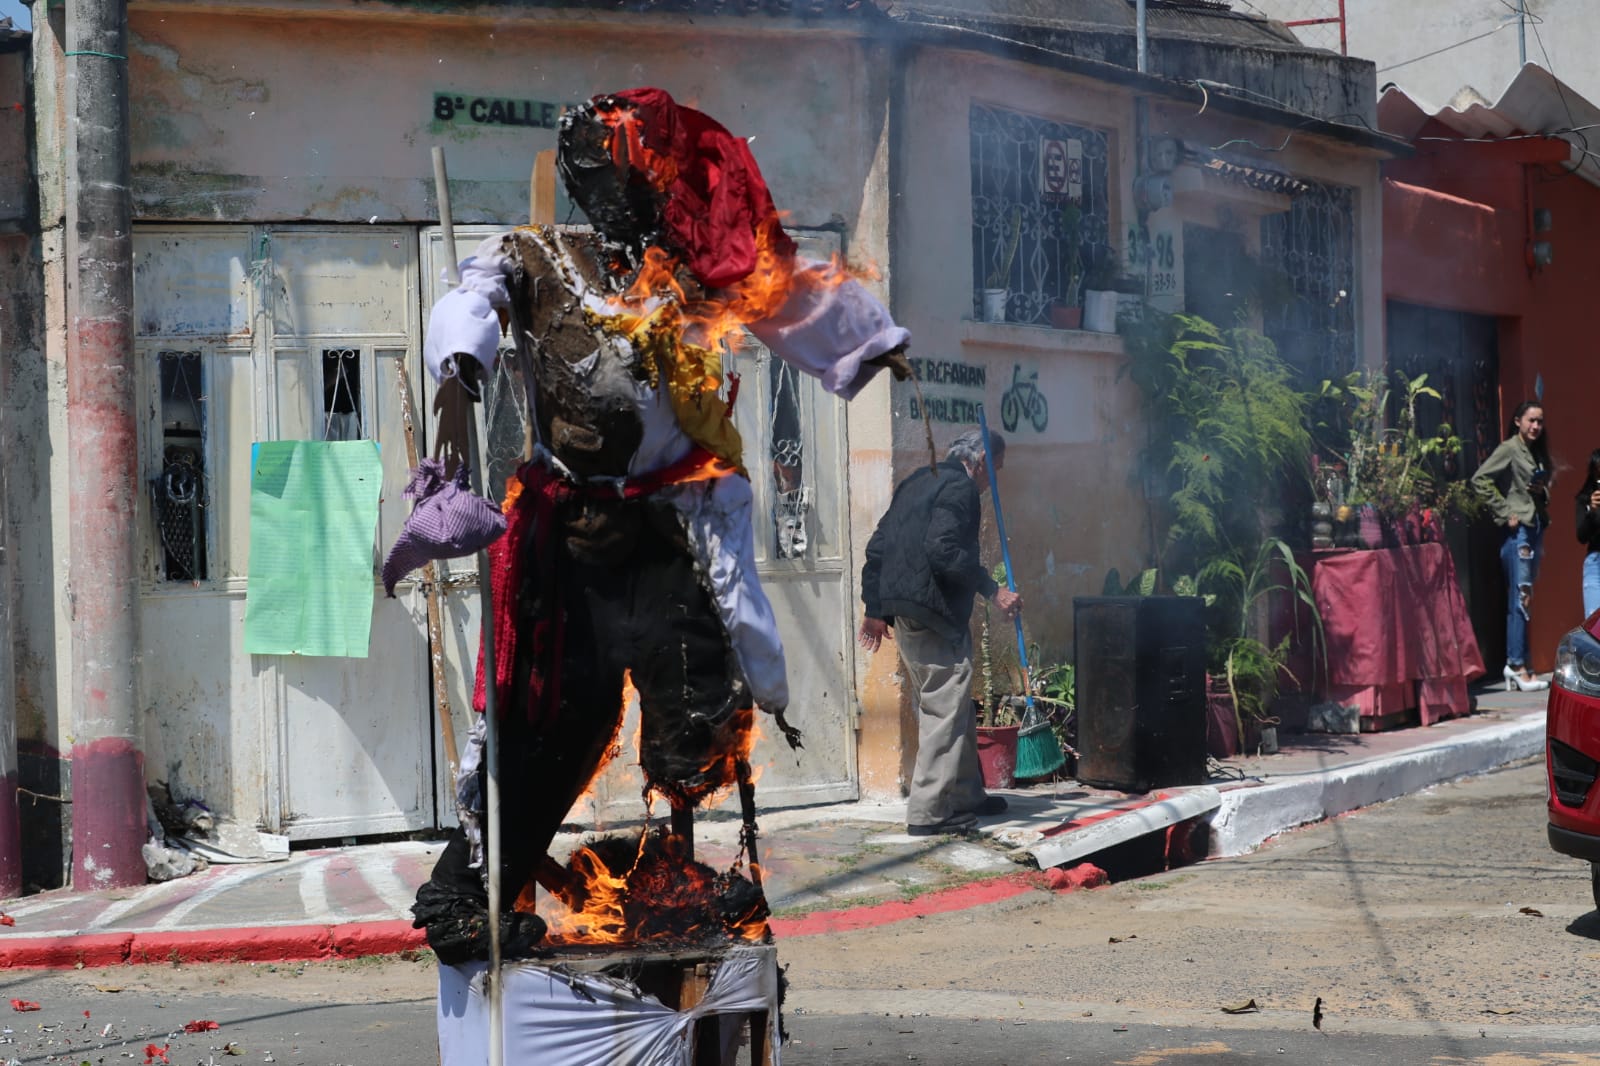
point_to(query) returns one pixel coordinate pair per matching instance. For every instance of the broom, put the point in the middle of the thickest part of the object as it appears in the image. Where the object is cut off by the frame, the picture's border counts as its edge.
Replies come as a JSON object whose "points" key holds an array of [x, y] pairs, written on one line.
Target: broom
{"points": [[1038, 752]]}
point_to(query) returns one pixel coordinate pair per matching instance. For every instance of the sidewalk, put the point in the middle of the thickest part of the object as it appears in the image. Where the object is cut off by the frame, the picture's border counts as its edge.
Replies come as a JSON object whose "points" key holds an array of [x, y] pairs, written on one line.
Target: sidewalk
{"points": [[826, 868]]}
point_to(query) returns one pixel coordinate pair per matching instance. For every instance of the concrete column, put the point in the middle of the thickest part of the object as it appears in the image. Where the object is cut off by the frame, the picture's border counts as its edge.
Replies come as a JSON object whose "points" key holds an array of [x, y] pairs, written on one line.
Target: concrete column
{"points": [[108, 800]]}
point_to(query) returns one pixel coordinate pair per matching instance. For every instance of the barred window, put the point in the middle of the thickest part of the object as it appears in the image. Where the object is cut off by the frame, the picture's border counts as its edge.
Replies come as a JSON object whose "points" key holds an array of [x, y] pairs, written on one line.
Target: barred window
{"points": [[341, 394], [178, 493], [1313, 246], [1041, 219]]}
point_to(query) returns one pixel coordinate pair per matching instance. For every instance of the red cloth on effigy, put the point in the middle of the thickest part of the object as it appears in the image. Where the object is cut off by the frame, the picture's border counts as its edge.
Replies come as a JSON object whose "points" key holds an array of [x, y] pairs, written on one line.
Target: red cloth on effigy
{"points": [[716, 197]]}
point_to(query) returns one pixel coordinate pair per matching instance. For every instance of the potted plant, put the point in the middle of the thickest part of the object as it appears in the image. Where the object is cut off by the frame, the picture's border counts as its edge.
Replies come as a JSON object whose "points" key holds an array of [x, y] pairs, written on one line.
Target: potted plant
{"points": [[1228, 426], [1401, 484], [1100, 296], [996, 290], [1067, 312]]}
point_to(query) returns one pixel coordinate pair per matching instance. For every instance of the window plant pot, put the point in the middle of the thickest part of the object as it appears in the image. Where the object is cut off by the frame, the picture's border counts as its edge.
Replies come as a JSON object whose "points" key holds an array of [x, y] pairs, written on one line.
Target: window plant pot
{"points": [[1063, 316], [997, 755], [994, 305], [1100, 311]]}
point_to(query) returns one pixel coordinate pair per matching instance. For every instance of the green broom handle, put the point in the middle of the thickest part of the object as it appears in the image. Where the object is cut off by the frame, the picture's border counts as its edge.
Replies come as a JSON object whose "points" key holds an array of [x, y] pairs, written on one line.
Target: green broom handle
{"points": [[1005, 553]]}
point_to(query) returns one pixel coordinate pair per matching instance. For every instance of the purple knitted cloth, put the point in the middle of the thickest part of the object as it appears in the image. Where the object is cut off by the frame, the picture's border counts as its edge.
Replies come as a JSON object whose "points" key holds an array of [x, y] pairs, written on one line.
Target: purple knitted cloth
{"points": [[447, 522]]}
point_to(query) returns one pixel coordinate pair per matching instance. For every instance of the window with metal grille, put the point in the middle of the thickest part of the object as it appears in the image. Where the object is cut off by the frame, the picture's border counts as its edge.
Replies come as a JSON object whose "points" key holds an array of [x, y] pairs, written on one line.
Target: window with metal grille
{"points": [[178, 493], [1313, 246], [1041, 218], [341, 394], [791, 496]]}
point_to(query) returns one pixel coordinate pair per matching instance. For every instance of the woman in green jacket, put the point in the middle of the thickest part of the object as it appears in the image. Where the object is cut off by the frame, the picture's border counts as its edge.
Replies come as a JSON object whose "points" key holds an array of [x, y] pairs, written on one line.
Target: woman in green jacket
{"points": [[1515, 482]]}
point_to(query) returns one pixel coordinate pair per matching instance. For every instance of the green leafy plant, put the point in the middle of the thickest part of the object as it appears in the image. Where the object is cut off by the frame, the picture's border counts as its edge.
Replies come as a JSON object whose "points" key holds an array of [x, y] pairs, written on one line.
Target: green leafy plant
{"points": [[1253, 668], [1072, 246], [1390, 465], [1000, 276], [1227, 430]]}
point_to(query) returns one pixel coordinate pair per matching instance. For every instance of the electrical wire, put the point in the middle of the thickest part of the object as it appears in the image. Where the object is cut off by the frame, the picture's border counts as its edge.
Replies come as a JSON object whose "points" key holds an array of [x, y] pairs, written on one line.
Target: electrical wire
{"points": [[1441, 51], [1566, 106]]}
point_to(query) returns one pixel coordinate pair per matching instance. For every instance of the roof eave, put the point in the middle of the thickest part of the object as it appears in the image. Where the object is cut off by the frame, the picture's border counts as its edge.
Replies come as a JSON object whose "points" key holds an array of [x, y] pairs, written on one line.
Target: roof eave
{"points": [[1206, 97]]}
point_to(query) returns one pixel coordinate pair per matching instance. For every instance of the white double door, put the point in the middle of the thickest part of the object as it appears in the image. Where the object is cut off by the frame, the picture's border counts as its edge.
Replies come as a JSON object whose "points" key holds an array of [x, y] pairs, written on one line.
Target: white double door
{"points": [[250, 333]]}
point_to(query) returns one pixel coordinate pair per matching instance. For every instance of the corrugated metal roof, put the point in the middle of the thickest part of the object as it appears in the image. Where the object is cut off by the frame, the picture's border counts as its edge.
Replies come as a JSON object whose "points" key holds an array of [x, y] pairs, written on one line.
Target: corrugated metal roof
{"points": [[1536, 102]]}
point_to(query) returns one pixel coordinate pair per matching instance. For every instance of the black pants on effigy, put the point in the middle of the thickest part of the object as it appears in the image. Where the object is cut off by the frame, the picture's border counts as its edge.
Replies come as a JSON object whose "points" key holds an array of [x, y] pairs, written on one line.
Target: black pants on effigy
{"points": [[628, 598]]}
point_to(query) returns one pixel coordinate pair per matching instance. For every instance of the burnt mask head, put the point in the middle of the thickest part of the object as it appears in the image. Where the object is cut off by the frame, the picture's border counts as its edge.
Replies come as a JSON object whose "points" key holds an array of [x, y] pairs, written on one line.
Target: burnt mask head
{"points": [[592, 154]]}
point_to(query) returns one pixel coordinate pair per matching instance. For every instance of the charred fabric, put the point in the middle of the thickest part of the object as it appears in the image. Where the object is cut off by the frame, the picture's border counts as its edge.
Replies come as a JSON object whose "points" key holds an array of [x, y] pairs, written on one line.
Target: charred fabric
{"points": [[627, 552]]}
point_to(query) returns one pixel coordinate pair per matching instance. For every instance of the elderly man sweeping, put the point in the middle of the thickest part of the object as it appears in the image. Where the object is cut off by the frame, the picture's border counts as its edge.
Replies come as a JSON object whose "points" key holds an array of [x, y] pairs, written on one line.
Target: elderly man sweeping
{"points": [[921, 574]]}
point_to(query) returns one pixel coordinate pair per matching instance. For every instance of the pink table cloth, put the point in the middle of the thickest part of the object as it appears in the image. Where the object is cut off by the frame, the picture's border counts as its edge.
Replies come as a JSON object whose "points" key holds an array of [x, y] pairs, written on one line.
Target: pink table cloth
{"points": [[1397, 631]]}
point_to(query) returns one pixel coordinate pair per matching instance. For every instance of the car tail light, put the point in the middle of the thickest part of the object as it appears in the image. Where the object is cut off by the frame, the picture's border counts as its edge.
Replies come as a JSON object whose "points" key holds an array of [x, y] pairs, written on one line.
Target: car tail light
{"points": [[1572, 772], [1578, 663]]}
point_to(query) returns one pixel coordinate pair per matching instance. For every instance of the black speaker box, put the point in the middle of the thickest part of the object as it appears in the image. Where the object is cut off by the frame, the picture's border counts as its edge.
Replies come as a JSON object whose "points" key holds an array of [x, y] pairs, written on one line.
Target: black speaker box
{"points": [[1141, 691]]}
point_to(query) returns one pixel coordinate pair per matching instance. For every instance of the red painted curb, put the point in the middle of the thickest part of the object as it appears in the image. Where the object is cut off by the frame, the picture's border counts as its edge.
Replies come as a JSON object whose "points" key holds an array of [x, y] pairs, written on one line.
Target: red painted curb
{"points": [[271, 944], [377, 938], [282, 943], [940, 902], [64, 952]]}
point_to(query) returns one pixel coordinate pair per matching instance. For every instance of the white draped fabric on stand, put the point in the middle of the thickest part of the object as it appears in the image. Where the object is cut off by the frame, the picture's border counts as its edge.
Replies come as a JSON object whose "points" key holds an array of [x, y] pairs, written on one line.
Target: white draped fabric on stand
{"points": [[557, 1017]]}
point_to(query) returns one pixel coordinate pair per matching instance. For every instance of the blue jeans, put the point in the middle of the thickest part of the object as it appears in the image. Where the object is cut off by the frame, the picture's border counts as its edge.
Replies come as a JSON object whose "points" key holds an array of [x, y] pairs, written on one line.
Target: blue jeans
{"points": [[1591, 583], [1519, 558]]}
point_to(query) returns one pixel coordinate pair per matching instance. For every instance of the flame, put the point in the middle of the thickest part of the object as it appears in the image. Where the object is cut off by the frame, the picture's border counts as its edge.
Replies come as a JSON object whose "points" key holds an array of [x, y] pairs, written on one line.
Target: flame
{"points": [[613, 748], [710, 319], [623, 891]]}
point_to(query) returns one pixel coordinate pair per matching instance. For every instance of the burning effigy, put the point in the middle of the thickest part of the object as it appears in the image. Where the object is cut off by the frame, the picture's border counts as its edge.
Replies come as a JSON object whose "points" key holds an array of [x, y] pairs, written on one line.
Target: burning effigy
{"points": [[627, 561]]}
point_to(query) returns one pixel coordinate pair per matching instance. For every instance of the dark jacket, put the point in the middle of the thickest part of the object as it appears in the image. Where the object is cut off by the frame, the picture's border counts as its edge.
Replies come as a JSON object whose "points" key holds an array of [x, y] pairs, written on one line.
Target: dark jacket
{"points": [[1588, 521], [922, 561]]}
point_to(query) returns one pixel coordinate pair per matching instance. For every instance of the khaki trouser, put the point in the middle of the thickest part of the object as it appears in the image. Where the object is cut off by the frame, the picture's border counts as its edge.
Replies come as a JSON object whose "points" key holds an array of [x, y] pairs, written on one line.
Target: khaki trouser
{"points": [[947, 779]]}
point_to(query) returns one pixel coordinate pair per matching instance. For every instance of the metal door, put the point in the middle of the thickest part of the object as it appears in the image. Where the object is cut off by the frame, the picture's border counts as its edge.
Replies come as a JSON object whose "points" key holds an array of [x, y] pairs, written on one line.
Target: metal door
{"points": [[265, 333]]}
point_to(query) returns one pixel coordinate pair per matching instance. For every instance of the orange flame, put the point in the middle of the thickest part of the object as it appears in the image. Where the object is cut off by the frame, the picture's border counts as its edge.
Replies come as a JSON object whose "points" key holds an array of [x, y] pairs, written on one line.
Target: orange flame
{"points": [[622, 892], [708, 320]]}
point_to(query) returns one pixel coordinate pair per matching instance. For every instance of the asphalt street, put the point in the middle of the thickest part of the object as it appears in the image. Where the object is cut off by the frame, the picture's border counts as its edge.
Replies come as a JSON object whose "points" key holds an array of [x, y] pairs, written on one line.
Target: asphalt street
{"points": [[1437, 930]]}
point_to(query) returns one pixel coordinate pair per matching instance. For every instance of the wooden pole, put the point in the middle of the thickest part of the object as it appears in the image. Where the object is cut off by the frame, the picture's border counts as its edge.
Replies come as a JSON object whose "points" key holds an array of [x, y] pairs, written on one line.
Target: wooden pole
{"points": [[497, 1050], [441, 690]]}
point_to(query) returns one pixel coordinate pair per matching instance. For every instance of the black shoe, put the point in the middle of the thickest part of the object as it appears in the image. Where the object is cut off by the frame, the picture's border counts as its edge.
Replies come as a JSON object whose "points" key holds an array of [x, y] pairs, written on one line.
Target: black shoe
{"points": [[956, 823], [991, 805]]}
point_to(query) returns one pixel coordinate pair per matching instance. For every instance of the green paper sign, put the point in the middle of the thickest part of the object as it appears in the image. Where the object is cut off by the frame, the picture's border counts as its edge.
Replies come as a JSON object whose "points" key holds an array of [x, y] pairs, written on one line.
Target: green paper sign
{"points": [[313, 523]]}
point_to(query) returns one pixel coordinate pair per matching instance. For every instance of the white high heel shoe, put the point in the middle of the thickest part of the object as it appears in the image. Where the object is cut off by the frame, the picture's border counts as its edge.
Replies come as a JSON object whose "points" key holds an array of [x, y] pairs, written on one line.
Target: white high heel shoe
{"points": [[1515, 682]]}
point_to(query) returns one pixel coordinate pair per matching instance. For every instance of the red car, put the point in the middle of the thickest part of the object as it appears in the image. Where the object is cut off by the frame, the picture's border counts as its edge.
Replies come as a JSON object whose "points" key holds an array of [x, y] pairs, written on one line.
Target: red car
{"points": [[1572, 748]]}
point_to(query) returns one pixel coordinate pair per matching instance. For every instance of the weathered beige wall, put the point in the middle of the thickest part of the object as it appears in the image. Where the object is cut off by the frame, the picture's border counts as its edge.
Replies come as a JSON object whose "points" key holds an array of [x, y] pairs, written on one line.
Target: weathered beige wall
{"points": [[1073, 506], [332, 119], [1071, 509], [328, 118]]}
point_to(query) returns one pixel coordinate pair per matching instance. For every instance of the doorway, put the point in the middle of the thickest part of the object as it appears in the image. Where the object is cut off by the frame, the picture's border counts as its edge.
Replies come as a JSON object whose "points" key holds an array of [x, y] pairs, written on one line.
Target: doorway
{"points": [[1460, 354]]}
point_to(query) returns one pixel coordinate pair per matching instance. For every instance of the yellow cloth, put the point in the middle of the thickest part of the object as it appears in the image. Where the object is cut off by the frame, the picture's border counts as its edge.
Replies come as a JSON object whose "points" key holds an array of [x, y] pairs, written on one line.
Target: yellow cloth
{"points": [[693, 378]]}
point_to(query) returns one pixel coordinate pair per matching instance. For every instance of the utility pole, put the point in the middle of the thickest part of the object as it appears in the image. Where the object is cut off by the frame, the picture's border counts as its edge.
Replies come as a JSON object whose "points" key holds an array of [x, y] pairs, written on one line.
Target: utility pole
{"points": [[108, 796], [1522, 32], [1142, 32]]}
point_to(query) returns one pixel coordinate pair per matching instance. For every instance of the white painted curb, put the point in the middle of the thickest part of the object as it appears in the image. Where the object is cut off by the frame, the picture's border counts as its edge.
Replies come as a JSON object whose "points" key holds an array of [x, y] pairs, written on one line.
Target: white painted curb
{"points": [[1249, 815]]}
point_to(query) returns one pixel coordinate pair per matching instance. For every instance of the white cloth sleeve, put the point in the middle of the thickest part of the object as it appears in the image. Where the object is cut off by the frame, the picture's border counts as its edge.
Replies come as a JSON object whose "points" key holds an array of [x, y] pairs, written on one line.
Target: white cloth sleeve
{"points": [[465, 320], [829, 326], [716, 517]]}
